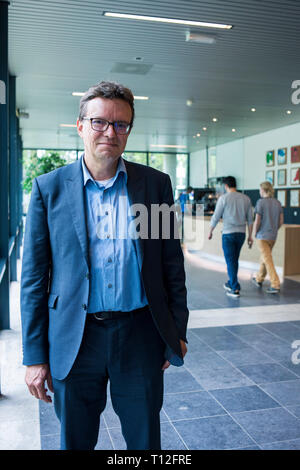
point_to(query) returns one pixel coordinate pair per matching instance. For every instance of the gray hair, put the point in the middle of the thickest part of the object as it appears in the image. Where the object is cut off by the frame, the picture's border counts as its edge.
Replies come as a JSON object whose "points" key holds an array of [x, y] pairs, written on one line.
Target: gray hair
{"points": [[108, 90]]}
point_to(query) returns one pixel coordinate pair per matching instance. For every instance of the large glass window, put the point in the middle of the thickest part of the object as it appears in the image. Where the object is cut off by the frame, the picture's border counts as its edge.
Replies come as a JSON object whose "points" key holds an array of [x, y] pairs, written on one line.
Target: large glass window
{"points": [[174, 164], [136, 157]]}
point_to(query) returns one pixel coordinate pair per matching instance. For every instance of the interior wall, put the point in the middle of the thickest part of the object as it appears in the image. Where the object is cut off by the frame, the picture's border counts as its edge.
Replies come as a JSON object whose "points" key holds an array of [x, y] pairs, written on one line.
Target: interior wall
{"points": [[246, 160]]}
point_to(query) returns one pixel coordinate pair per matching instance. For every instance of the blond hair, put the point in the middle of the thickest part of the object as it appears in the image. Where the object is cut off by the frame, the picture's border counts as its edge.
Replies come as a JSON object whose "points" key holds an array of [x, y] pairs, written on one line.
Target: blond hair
{"points": [[267, 187]]}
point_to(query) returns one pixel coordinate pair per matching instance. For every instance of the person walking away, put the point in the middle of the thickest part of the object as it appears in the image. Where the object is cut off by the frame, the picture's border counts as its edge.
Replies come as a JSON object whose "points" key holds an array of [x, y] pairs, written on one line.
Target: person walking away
{"points": [[268, 219], [236, 211]]}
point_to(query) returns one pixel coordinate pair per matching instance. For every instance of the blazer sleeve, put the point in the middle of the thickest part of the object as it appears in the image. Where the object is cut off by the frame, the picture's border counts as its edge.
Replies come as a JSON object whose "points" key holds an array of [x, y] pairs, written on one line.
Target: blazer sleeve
{"points": [[173, 268], [34, 282]]}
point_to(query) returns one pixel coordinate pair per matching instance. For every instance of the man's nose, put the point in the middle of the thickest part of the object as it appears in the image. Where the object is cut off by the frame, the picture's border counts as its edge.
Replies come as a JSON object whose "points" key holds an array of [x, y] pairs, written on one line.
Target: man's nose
{"points": [[110, 131]]}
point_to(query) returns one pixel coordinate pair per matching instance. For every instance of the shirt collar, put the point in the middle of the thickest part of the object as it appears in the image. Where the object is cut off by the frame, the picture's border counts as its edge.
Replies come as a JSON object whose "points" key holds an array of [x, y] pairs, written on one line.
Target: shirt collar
{"points": [[121, 168]]}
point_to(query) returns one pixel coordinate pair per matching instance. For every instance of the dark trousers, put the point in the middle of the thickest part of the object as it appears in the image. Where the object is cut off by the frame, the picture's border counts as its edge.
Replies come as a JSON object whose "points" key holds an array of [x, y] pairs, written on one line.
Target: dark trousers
{"points": [[128, 352], [232, 244]]}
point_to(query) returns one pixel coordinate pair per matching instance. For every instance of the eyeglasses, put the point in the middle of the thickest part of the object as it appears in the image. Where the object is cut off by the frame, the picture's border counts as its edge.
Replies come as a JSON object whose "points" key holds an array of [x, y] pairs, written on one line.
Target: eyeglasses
{"points": [[101, 125]]}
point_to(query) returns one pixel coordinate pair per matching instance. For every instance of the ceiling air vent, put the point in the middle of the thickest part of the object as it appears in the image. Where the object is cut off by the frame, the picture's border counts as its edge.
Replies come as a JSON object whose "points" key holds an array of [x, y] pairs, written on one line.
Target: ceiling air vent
{"points": [[136, 69]]}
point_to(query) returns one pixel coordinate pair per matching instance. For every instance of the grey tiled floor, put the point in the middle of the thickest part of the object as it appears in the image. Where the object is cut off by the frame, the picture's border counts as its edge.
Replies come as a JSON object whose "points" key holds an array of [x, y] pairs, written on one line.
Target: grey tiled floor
{"points": [[205, 289], [232, 393], [238, 389]]}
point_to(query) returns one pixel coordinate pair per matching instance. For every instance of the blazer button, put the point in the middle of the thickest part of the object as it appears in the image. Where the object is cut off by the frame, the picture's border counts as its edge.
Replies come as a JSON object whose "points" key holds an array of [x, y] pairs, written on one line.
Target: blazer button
{"points": [[87, 275], [84, 306]]}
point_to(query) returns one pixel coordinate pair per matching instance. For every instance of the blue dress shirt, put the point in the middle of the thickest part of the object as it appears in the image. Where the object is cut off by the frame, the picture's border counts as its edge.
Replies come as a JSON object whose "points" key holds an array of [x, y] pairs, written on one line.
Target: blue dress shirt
{"points": [[115, 278]]}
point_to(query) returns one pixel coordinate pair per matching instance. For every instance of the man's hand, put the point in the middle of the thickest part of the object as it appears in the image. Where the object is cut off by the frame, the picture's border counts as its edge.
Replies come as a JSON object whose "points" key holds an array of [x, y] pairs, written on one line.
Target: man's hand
{"points": [[35, 379], [210, 234], [183, 350]]}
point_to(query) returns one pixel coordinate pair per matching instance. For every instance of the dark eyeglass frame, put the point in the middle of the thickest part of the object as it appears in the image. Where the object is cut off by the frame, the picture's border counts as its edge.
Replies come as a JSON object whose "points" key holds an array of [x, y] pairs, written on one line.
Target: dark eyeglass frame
{"points": [[108, 123]]}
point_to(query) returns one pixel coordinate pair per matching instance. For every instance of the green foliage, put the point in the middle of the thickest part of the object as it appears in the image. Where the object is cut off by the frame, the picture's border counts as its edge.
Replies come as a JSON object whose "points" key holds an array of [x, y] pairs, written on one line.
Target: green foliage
{"points": [[35, 165]]}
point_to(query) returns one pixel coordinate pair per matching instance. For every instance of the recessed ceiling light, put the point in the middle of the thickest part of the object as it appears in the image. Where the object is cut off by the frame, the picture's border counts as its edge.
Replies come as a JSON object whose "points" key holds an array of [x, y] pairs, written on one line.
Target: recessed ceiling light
{"points": [[169, 146], [214, 119], [189, 102], [233, 130], [204, 128], [253, 110], [77, 93], [68, 125], [289, 111], [198, 135], [167, 20]]}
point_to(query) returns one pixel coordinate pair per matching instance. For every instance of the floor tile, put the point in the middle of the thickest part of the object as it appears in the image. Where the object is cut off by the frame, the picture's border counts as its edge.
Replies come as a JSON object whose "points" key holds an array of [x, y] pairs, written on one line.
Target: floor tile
{"points": [[111, 418], [266, 426], [191, 405], [240, 399], [295, 368], [284, 330], [170, 439], [50, 442], [104, 441], [181, 381], [227, 377], [207, 360], [265, 373], [218, 432], [295, 410], [49, 423], [286, 393], [244, 330], [117, 438], [285, 445], [245, 355]]}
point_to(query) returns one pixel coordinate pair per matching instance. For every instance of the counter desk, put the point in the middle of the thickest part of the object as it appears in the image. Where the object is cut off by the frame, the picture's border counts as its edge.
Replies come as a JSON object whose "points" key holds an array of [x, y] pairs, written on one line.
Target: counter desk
{"points": [[286, 252]]}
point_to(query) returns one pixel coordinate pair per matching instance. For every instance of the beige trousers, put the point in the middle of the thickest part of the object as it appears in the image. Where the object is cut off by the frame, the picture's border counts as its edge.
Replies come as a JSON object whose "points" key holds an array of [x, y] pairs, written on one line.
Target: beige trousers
{"points": [[266, 263]]}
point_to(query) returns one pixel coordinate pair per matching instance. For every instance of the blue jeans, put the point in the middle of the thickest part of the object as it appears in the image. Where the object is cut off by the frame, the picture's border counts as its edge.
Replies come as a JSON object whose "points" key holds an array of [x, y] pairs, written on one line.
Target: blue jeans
{"points": [[232, 244]]}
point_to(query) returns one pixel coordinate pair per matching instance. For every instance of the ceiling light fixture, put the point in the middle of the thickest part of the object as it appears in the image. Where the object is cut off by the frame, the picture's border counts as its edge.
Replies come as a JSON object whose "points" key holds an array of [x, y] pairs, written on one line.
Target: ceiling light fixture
{"points": [[68, 125], [204, 128], [200, 38], [214, 119], [289, 111], [80, 93], [167, 20], [198, 135], [253, 110], [233, 130], [169, 146]]}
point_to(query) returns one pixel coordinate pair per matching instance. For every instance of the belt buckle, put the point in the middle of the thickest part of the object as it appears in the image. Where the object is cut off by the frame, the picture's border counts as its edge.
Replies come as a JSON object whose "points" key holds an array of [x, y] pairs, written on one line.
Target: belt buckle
{"points": [[97, 318]]}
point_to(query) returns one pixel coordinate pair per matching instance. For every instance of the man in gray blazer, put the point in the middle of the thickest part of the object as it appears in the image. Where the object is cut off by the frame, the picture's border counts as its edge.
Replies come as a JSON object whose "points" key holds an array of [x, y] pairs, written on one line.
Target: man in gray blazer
{"points": [[96, 305]]}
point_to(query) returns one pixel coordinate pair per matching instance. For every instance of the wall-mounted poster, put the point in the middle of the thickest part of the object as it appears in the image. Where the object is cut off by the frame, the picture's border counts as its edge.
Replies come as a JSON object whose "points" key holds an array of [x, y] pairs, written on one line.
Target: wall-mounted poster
{"points": [[270, 158], [295, 175], [295, 154], [281, 156], [295, 198], [281, 177], [270, 176], [281, 196]]}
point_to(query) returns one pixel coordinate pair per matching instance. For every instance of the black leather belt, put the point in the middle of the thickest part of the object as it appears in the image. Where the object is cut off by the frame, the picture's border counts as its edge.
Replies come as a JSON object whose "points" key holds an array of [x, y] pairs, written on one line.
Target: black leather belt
{"points": [[111, 315]]}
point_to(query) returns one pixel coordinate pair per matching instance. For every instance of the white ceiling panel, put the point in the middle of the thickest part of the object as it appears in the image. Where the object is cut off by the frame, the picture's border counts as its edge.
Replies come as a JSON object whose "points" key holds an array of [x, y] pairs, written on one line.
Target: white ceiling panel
{"points": [[56, 47]]}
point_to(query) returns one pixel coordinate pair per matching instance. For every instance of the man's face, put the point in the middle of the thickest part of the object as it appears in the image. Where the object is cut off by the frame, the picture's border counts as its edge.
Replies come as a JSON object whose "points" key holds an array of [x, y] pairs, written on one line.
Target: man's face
{"points": [[107, 145]]}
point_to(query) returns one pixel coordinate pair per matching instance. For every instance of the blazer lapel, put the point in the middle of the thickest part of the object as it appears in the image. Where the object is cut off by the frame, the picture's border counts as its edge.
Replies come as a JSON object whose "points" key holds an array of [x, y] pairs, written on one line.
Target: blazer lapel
{"points": [[136, 187], [75, 197]]}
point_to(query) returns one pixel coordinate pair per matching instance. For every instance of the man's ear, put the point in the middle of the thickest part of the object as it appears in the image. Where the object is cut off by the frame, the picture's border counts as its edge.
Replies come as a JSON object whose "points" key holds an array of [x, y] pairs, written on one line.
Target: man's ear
{"points": [[79, 127]]}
